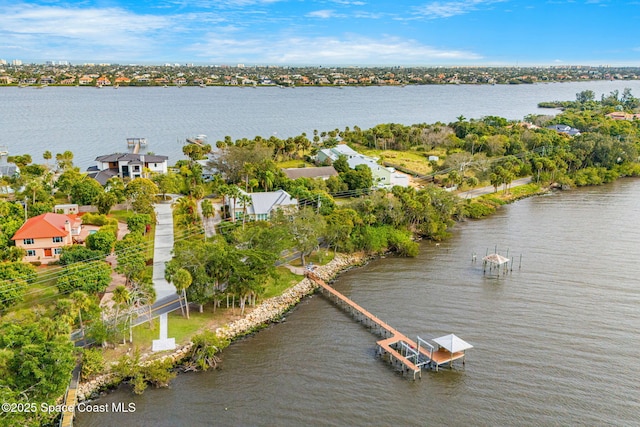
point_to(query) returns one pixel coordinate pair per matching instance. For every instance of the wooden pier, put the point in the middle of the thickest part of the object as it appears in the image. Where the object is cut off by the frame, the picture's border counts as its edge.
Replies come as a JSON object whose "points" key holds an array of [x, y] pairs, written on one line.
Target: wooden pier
{"points": [[70, 399], [134, 144], [403, 353]]}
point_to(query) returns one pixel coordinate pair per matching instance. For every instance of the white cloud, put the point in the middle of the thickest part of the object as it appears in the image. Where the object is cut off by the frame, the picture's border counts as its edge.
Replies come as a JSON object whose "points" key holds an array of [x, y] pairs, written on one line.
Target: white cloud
{"points": [[349, 3], [324, 14], [328, 50], [452, 8]]}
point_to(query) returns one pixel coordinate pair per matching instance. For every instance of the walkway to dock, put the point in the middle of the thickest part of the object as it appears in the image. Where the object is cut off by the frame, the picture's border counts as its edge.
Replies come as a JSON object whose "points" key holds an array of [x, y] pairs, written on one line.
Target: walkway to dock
{"points": [[71, 399], [402, 352]]}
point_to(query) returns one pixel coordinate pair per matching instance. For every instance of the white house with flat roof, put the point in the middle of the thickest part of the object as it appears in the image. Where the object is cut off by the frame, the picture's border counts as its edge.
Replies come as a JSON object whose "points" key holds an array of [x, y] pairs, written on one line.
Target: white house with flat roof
{"points": [[127, 165]]}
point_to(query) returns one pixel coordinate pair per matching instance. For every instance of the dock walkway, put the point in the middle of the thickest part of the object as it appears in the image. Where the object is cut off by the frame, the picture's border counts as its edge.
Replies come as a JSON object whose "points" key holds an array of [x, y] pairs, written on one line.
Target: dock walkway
{"points": [[70, 399], [403, 352]]}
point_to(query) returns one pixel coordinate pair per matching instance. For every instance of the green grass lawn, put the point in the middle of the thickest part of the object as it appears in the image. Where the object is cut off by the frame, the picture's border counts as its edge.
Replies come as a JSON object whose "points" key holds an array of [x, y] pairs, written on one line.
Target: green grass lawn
{"points": [[284, 281], [297, 163], [180, 328], [43, 291], [121, 215], [320, 257], [412, 160]]}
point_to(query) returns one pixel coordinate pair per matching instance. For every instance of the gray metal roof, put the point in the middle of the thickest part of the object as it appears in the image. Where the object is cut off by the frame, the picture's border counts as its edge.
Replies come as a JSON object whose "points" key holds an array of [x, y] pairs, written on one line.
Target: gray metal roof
{"points": [[319, 172], [130, 157], [265, 203]]}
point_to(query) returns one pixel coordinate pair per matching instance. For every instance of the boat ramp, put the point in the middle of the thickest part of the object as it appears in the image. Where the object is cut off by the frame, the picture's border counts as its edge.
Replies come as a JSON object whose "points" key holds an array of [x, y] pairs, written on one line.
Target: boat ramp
{"points": [[403, 353]]}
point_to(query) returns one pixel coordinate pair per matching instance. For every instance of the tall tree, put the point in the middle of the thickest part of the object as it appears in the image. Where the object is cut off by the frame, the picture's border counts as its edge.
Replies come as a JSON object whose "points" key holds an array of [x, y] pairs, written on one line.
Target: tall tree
{"points": [[182, 279], [306, 227]]}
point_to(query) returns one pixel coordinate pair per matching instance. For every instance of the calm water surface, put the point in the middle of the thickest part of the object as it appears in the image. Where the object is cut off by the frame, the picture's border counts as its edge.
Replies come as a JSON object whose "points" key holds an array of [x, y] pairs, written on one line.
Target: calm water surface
{"points": [[92, 122], [556, 342]]}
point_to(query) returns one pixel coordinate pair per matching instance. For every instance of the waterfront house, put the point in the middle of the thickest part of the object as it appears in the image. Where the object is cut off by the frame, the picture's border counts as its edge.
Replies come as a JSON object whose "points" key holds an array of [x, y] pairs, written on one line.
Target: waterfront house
{"points": [[85, 80], [383, 177], [262, 205], [44, 236], [332, 154], [127, 166], [323, 172], [9, 171], [103, 81], [621, 115], [122, 80], [568, 130]]}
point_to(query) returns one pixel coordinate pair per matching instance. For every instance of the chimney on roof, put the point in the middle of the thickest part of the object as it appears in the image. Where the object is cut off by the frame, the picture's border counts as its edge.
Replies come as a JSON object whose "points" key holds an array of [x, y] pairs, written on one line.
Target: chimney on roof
{"points": [[67, 226]]}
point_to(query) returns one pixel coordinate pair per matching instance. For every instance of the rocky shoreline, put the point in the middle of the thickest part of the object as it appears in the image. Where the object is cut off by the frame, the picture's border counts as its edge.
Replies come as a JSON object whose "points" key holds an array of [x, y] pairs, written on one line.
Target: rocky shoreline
{"points": [[266, 312]]}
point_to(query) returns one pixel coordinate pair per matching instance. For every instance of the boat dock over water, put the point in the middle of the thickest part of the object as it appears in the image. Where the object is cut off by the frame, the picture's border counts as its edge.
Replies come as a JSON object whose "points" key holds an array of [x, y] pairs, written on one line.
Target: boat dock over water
{"points": [[407, 355], [134, 144]]}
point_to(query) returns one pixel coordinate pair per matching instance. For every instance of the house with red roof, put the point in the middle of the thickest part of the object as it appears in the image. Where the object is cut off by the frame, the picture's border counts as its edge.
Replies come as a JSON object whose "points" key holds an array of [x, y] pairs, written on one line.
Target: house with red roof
{"points": [[44, 236]]}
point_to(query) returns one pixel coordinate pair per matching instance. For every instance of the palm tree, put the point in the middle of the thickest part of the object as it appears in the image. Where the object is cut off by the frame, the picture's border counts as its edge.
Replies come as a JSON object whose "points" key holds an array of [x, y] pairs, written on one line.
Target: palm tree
{"points": [[233, 193], [121, 297], [182, 279], [246, 201], [81, 302]]}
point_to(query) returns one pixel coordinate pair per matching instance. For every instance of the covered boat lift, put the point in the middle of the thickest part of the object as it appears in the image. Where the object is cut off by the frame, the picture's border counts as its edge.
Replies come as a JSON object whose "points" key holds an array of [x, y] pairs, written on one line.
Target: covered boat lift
{"points": [[495, 261], [450, 348]]}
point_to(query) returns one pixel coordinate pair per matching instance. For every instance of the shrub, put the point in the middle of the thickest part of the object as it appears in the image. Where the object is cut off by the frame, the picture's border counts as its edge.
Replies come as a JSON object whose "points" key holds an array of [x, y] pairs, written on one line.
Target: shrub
{"points": [[92, 362]]}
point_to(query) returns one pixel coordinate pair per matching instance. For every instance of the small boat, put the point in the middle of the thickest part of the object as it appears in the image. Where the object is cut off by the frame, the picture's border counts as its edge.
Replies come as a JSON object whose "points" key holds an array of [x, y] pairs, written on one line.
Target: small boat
{"points": [[4, 151], [203, 85], [116, 86]]}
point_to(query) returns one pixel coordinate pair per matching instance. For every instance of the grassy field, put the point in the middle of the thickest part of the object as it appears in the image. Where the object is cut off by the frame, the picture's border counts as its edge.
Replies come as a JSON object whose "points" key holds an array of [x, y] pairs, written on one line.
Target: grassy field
{"points": [[412, 160], [284, 281], [42, 292], [296, 163]]}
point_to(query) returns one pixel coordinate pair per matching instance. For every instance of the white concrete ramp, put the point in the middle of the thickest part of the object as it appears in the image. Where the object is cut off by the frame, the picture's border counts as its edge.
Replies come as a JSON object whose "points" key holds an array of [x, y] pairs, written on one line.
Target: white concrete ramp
{"points": [[162, 249]]}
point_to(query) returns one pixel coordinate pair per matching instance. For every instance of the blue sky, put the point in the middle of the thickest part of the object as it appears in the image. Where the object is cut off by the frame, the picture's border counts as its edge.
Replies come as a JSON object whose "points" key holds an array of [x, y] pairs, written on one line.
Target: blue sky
{"points": [[323, 32]]}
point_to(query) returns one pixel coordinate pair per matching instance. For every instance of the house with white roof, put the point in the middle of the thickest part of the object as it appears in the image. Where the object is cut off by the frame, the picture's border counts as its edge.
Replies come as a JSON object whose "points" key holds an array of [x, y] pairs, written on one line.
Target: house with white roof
{"points": [[262, 205], [382, 176], [333, 153]]}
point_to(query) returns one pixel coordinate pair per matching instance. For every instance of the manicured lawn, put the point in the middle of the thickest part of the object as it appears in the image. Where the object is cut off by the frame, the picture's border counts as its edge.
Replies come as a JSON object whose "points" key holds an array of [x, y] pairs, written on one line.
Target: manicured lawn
{"points": [[298, 163], [284, 281], [412, 160], [121, 215], [180, 328], [320, 257], [42, 292]]}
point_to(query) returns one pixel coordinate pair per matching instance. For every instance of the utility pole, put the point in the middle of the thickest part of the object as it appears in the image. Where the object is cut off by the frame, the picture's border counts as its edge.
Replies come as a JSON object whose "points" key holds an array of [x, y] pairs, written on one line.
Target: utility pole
{"points": [[25, 208]]}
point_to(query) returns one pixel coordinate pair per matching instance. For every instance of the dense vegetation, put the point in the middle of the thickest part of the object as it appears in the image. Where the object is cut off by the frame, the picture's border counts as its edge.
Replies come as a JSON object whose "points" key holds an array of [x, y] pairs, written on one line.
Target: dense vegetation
{"points": [[237, 267]]}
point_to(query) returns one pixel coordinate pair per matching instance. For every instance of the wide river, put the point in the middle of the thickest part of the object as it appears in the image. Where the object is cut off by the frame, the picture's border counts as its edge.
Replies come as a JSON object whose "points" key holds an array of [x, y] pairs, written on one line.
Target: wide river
{"points": [[92, 122], [556, 341]]}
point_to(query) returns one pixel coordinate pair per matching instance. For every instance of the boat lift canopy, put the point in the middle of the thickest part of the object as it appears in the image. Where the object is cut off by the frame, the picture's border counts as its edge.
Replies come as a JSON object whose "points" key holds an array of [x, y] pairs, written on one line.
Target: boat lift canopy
{"points": [[452, 343], [496, 259]]}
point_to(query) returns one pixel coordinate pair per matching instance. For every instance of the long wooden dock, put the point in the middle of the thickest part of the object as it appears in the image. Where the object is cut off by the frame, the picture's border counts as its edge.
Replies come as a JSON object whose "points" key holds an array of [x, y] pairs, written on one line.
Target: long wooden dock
{"points": [[402, 352], [70, 399]]}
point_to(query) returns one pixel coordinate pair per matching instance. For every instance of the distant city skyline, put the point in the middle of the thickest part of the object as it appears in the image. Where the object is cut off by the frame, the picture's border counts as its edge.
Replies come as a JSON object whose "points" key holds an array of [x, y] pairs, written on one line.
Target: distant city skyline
{"points": [[323, 32]]}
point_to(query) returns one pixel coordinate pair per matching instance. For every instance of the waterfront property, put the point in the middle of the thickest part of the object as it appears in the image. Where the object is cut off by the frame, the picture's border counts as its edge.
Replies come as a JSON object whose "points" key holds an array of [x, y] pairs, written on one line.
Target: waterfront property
{"points": [[402, 352], [44, 236], [322, 172], [127, 165], [260, 206], [383, 177]]}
